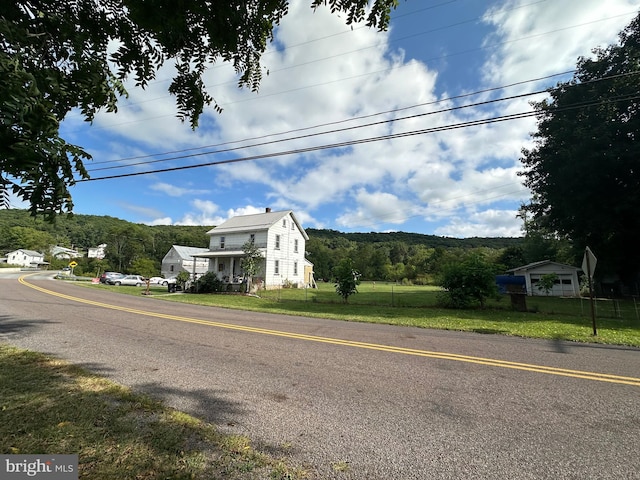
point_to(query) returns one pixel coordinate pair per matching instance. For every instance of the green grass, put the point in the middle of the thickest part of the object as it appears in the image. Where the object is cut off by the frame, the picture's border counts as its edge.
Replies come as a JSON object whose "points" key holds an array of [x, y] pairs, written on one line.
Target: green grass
{"points": [[380, 302], [51, 407]]}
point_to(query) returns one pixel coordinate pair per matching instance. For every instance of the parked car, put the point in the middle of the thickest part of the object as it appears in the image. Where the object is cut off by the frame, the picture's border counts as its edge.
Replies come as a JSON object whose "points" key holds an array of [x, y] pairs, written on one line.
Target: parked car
{"points": [[159, 281], [136, 280], [106, 275]]}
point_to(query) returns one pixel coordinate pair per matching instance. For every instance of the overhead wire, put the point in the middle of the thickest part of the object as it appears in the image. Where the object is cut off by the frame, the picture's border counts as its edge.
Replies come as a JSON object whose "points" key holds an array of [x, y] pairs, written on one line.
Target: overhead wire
{"points": [[393, 120], [338, 122], [348, 143]]}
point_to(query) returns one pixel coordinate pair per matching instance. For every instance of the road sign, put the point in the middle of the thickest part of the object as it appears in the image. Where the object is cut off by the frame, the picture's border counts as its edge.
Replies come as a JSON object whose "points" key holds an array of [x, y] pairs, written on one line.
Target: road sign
{"points": [[589, 262], [73, 264]]}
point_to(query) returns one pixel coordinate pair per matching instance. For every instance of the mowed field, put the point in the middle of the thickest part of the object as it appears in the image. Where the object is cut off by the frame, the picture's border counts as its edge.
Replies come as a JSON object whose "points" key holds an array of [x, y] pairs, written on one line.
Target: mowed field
{"points": [[617, 321]]}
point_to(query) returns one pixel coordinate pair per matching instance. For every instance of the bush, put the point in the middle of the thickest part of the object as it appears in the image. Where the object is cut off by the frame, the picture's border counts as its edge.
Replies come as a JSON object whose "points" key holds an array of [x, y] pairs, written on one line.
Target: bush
{"points": [[209, 283], [467, 283]]}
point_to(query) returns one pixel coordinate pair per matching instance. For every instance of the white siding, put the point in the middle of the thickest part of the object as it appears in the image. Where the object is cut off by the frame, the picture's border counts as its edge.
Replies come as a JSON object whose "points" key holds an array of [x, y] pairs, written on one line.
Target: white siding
{"points": [[285, 255]]}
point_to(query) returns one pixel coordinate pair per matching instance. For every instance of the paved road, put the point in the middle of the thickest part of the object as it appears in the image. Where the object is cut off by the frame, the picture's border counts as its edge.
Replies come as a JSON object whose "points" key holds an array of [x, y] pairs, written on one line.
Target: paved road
{"points": [[354, 401]]}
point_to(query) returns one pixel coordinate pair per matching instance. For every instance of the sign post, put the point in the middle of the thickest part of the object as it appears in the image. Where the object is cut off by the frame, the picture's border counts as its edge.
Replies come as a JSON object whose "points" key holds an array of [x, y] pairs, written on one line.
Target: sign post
{"points": [[73, 264], [589, 266]]}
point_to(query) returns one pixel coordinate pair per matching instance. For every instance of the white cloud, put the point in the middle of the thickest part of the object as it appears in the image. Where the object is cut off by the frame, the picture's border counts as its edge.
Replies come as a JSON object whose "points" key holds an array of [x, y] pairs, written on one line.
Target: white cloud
{"points": [[489, 223], [175, 191], [161, 221], [376, 208]]}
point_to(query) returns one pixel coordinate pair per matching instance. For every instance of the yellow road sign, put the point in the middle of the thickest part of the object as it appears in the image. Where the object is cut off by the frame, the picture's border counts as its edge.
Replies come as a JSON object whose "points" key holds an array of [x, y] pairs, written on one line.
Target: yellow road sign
{"points": [[73, 264]]}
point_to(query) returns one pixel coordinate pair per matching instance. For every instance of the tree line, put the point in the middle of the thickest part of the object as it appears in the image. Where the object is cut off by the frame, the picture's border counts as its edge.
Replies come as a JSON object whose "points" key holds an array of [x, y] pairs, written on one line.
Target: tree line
{"points": [[396, 256]]}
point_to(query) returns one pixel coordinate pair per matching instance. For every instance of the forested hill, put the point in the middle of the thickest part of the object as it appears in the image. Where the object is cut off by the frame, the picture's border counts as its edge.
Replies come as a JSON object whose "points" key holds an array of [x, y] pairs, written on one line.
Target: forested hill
{"points": [[84, 231], [394, 255], [432, 241]]}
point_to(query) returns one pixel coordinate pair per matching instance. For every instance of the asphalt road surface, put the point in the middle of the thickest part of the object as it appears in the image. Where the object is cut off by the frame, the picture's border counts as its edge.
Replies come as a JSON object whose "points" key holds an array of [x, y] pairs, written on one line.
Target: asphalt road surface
{"points": [[350, 400]]}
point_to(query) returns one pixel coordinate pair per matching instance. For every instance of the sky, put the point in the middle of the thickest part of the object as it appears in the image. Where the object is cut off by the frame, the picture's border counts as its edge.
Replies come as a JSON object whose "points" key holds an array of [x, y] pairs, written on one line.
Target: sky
{"points": [[392, 101]]}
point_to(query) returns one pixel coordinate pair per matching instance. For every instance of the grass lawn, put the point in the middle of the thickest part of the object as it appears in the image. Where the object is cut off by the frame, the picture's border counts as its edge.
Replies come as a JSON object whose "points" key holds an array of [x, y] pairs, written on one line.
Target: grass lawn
{"points": [[380, 302], [51, 407]]}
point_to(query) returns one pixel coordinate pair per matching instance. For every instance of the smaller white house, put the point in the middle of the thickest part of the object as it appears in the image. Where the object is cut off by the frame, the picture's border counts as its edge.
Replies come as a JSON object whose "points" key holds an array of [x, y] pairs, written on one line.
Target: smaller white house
{"points": [[26, 258], [181, 259], [97, 252], [63, 252], [566, 284]]}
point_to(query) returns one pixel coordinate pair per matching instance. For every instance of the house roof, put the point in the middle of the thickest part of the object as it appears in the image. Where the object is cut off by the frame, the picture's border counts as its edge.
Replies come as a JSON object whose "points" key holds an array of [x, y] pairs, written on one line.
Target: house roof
{"points": [[187, 252], [534, 265], [258, 221], [31, 253]]}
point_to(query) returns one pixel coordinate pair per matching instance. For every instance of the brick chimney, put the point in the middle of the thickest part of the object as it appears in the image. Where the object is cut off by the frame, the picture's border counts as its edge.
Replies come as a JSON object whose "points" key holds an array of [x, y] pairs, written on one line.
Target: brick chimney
{"points": [[267, 210]]}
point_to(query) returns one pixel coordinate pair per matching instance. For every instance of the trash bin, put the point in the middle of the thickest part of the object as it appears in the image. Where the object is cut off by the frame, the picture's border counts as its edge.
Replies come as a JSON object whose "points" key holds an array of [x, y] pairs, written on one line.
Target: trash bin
{"points": [[171, 287]]}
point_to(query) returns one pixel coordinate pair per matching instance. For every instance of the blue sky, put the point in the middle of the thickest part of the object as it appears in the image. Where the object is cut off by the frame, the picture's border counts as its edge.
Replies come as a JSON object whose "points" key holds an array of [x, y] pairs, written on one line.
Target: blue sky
{"points": [[331, 84]]}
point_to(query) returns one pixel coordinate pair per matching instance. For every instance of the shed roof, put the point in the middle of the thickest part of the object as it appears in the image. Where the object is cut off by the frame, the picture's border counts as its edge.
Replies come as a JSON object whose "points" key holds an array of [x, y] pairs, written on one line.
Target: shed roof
{"points": [[187, 252], [542, 263]]}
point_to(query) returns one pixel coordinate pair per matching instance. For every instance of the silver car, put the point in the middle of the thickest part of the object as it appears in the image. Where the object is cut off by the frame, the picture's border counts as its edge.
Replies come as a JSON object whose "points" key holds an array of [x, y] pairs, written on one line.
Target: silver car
{"points": [[135, 280]]}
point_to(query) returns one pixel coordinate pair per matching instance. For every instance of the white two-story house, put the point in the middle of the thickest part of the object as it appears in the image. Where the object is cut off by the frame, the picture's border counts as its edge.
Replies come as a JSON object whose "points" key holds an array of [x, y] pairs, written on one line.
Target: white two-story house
{"points": [[278, 235]]}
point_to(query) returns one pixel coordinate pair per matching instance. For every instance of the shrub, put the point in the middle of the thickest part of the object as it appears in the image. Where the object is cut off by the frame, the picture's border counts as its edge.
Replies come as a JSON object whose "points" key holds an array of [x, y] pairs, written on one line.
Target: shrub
{"points": [[209, 283], [468, 282]]}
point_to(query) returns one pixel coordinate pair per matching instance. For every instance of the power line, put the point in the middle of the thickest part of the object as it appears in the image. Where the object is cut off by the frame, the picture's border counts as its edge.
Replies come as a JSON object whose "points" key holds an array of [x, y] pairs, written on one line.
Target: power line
{"points": [[395, 110], [393, 120], [349, 143]]}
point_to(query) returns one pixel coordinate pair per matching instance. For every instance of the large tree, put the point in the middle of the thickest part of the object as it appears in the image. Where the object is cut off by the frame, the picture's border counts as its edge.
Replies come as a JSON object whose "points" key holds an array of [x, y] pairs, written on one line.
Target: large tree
{"points": [[59, 55], [584, 167]]}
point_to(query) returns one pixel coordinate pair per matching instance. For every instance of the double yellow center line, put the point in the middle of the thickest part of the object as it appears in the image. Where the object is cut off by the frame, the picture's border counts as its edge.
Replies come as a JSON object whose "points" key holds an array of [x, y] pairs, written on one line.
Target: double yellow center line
{"points": [[601, 377]]}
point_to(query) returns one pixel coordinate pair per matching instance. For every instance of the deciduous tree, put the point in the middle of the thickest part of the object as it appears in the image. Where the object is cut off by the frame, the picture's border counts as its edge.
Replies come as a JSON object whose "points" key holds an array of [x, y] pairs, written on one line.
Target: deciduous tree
{"points": [[584, 169], [347, 279], [59, 55]]}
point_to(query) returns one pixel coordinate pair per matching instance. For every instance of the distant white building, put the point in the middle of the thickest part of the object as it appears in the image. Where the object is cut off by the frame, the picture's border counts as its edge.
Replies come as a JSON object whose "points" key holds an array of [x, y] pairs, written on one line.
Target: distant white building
{"points": [[97, 252], [180, 258], [281, 240], [26, 258], [63, 252]]}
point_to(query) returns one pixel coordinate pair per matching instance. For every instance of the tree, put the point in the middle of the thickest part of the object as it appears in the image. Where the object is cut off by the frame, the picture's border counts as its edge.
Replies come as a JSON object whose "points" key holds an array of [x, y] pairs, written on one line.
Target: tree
{"points": [[546, 282], [29, 238], [347, 279], [251, 262], [145, 267], [58, 55], [583, 168], [468, 281]]}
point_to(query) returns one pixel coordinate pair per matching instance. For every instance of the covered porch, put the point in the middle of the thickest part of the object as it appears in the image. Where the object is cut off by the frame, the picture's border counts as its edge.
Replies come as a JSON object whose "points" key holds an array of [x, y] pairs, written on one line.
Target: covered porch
{"points": [[227, 265]]}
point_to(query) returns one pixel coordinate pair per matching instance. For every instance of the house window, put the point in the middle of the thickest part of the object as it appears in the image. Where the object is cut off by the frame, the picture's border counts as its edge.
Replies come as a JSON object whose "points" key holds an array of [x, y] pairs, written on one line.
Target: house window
{"points": [[284, 222], [252, 238], [292, 226], [276, 267], [221, 242], [277, 247], [295, 268], [221, 267], [171, 269], [295, 245]]}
